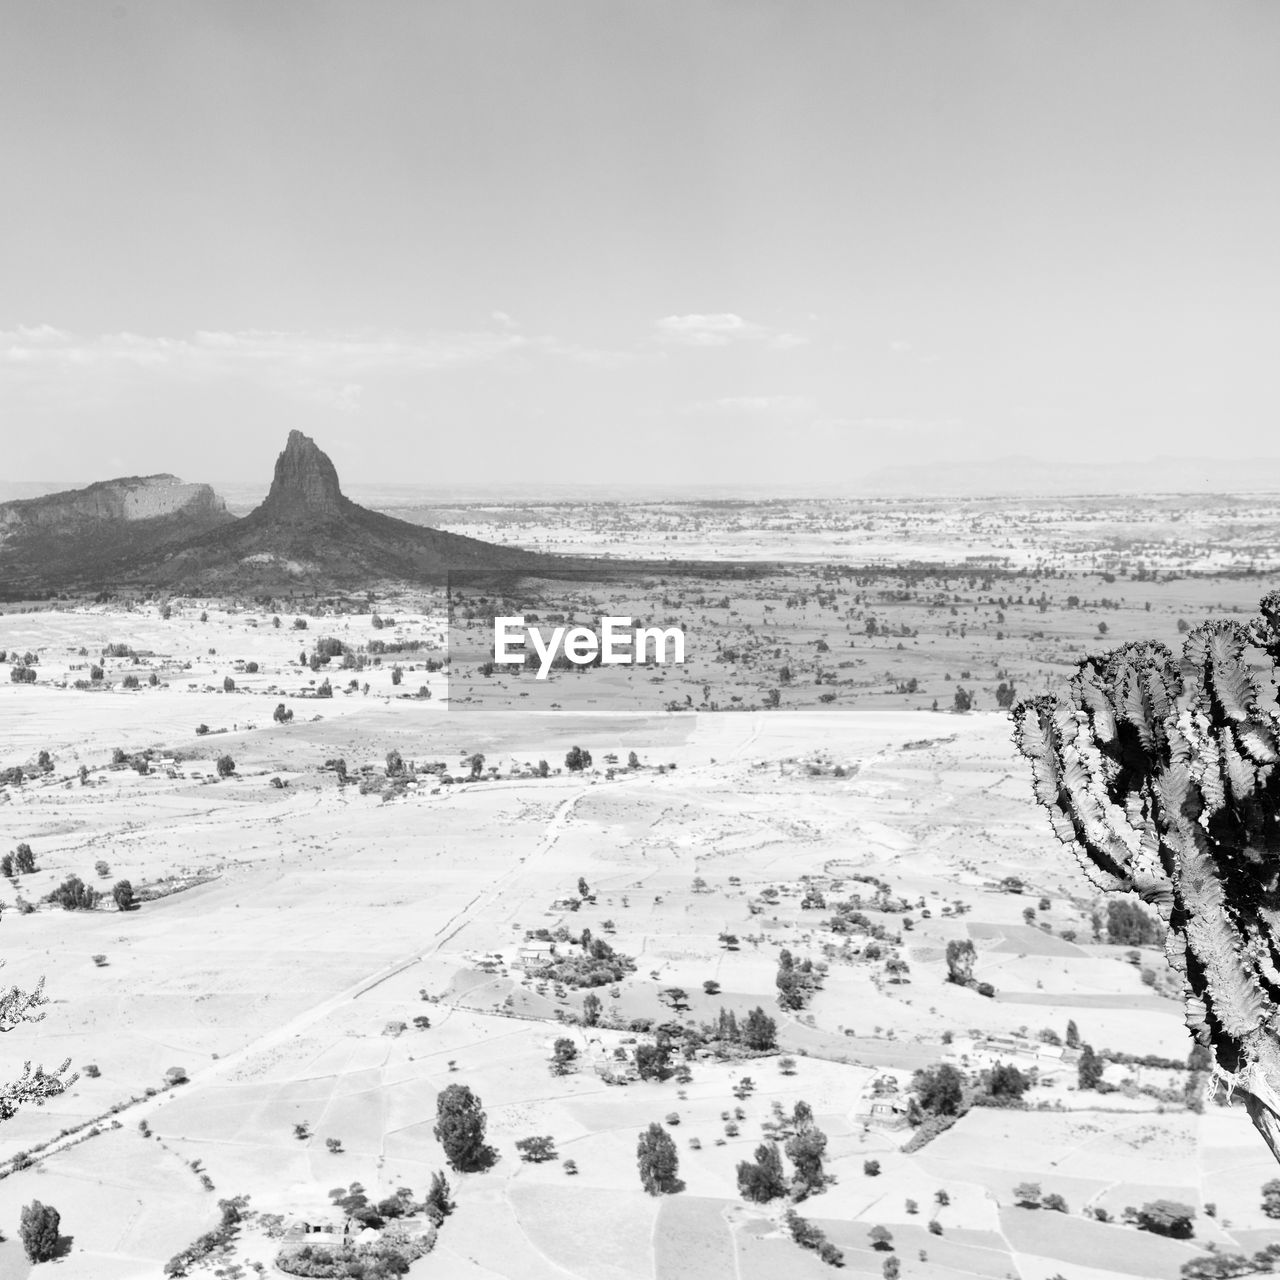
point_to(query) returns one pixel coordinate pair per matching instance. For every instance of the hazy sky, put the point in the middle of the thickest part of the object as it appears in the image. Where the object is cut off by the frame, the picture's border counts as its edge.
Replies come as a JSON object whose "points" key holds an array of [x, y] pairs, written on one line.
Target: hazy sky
{"points": [[729, 240]]}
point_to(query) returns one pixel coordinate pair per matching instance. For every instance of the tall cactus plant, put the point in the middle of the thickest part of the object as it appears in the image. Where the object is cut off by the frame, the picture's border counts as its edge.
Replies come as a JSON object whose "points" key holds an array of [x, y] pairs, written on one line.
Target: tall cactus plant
{"points": [[1162, 776]]}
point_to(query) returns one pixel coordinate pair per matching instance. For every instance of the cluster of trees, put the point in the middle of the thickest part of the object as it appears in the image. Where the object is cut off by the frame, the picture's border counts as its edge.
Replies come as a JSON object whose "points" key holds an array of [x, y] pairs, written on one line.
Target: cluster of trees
{"points": [[757, 1032], [762, 1179], [809, 1236], [796, 982], [598, 965], [21, 862], [1130, 925], [74, 895]]}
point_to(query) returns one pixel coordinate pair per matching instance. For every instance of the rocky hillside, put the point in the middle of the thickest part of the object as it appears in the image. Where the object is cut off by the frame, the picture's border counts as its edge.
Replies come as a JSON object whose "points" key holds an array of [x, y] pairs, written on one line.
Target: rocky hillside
{"points": [[85, 537], [127, 499], [308, 535]]}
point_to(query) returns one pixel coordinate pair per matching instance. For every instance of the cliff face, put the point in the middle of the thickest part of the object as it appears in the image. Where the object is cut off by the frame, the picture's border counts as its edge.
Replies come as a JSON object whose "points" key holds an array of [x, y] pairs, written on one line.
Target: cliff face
{"points": [[128, 499], [86, 537]]}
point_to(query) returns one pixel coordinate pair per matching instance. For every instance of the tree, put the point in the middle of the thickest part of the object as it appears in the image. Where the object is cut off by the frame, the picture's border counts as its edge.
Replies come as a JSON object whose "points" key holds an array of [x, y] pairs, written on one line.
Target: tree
{"points": [[1007, 1081], [939, 1089], [762, 1180], [282, 714], [439, 1203], [33, 1085], [226, 766], [1027, 1195], [395, 764], [892, 1269], [759, 1031], [651, 1061], [591, 1008], [122, 892], [1167, 1218], [24, 860], [961, 956], [459, 1128], [1089, 1069], [577, 760], [535, 1150], [1055, 1202], [1073, 1034], [584, 889], [228, 685], [658, 1161], [871, 1168], [74, 895], [563, 1055], [38, 1228], [962, 700], [881, 1237], [1271, 1198], [806, 1149]]}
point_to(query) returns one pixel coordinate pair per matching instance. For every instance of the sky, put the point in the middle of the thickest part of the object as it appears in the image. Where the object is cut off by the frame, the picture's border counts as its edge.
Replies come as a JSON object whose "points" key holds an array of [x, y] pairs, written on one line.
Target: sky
{"points": [[631, 241]]}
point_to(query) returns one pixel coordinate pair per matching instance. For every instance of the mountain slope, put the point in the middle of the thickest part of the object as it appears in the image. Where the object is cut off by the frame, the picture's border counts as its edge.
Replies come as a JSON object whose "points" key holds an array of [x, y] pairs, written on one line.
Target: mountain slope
{"points": [[307, 533], [89, 535]]}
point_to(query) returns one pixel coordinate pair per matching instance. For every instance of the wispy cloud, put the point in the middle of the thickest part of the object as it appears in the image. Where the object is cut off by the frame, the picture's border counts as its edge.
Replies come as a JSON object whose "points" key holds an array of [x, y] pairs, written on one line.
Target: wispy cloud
{"points": [[721, 329], [330, 368]]}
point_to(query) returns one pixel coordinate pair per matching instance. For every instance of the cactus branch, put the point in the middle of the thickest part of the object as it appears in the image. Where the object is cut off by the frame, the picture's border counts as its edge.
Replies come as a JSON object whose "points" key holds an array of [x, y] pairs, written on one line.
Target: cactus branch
{"points": [[1161, 775]]}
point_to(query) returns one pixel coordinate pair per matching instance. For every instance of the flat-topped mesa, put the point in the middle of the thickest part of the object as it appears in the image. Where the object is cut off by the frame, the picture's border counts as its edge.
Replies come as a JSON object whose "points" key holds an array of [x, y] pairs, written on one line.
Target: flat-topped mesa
{"points": [[305, 482]]}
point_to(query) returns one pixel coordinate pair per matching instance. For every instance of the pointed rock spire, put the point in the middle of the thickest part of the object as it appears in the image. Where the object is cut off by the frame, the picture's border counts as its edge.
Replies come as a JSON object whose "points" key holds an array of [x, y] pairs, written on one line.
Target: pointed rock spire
{"points": [[305, 481]]}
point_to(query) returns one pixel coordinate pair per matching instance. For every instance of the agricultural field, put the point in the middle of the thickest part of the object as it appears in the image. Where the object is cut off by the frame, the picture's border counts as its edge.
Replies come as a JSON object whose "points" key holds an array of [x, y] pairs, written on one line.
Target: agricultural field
{"points": [[363, 869]]}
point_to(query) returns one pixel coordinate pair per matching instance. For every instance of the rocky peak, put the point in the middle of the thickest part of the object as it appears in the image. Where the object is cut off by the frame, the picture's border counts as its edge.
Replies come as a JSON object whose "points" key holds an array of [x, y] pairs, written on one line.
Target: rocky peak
{"points": [[305, 481]]}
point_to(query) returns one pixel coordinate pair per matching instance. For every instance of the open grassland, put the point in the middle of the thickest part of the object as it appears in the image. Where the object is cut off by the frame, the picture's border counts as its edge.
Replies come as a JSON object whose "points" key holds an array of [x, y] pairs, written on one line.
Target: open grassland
{"points": [[292, 927]]}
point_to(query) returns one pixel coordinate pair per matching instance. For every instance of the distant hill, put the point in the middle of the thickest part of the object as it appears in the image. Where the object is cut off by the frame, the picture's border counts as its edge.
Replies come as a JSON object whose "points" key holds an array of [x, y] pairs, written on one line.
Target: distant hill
{"points": [[308, 534], [87, 535]]}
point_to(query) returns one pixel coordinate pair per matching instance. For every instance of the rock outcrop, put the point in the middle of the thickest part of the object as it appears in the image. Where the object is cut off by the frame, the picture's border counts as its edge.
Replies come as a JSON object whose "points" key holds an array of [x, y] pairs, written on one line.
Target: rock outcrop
{"points": [[127, 499], [88, 537], [307, 535]]}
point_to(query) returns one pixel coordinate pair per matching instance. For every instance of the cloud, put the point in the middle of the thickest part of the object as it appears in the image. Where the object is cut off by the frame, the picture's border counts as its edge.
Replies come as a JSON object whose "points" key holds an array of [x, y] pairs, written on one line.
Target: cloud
{"points": [[54, 366], [721, 329]]}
